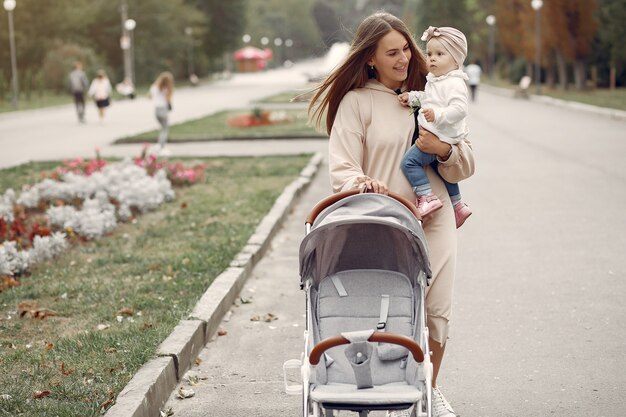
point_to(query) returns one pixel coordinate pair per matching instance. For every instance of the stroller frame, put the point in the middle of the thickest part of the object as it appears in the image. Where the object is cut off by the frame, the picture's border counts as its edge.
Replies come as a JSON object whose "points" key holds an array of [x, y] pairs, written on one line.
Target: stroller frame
{"points": [[391, 381]]}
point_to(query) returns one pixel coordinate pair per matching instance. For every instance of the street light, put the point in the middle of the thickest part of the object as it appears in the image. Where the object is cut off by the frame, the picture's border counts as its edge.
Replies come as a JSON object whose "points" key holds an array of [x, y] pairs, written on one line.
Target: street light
{"points": [[265, 40], [190, 69], [536, 5], [9, 5], [125, 40], [491, 21], [130, 26], [246, 38]]}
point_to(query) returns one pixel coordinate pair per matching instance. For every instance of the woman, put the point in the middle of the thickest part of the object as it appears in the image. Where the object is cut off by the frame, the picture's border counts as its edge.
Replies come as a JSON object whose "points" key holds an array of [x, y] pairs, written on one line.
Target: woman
{"points": [[161, 93], [100, 91], [370, 131]]}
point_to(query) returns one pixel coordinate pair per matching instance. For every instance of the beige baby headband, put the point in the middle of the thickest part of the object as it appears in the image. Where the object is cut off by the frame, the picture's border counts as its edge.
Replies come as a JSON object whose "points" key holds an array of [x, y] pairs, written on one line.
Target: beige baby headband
{"points": [[452, 39]]}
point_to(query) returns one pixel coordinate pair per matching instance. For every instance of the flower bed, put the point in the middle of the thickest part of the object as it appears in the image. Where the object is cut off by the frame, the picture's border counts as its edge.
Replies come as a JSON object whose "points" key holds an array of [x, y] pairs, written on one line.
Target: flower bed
{"points": [[81, 201], [258, 118]]}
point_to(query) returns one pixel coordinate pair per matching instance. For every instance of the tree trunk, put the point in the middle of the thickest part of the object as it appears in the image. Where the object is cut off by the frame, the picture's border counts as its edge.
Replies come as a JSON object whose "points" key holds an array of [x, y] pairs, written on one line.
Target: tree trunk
{"points": [[562, 68], [612, 77], [579, 74]]}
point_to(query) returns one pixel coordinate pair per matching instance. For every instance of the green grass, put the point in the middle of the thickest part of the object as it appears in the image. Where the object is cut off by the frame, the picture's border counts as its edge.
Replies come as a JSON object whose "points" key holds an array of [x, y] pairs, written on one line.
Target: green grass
{"points": [[158, 266], [215, 127], [290, 96], [602, 97]]}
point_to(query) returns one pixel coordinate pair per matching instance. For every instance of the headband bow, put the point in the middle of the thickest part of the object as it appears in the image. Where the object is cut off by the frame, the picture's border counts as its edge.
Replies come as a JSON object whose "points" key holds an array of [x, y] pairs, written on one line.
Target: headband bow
{"points": [[430, 32]]}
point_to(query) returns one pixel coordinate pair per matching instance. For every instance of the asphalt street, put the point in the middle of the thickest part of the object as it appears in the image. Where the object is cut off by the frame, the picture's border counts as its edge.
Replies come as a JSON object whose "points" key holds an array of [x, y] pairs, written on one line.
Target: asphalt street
{"points": [[538, 324], [539, 317]]}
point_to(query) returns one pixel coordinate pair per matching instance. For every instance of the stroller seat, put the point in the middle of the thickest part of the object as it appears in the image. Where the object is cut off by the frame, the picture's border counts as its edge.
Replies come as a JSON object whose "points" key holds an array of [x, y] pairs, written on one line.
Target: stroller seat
{"points": [[395, 393]]}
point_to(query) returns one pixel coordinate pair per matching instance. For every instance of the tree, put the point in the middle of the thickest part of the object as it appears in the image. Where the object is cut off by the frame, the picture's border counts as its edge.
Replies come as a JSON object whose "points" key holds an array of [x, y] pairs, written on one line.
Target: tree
{"points": [[225, 22], [610, 40], [284, 19]]}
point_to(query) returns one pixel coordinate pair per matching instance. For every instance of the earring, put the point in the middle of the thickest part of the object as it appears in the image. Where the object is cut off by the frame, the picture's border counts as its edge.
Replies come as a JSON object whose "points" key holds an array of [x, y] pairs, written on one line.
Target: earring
{"points": [[371, 72]]}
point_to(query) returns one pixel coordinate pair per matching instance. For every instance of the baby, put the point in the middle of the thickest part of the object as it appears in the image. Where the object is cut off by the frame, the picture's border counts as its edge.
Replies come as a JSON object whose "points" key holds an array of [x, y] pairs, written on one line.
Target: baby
{"points": [[442, 111]]}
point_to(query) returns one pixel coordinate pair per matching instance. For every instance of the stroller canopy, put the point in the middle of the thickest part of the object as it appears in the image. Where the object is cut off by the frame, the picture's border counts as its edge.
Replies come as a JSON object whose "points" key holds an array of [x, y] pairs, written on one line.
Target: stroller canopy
{"points": [[364, 231]]}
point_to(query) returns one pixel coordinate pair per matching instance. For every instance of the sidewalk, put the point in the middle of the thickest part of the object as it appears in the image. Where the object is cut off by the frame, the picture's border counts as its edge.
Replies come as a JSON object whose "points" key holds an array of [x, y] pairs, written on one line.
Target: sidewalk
{"points": [[54, 133]]}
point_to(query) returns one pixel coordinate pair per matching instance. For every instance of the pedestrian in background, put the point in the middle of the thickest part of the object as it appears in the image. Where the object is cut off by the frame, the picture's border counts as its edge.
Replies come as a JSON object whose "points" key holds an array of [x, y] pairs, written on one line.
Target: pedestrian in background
{"points": [[100, 91], [473, 72], [78, 86], [161, 92]]}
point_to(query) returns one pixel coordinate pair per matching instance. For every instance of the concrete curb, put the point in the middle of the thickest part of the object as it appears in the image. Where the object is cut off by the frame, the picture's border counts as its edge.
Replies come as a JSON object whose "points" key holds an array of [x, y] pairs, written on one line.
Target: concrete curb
{"points": [[150, 388], [601, 111]]}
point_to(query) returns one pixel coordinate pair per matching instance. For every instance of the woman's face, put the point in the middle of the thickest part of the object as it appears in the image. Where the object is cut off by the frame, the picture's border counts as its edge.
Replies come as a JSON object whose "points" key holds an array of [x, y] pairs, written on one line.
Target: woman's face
{"points": [[439, 60], [391, 59]]}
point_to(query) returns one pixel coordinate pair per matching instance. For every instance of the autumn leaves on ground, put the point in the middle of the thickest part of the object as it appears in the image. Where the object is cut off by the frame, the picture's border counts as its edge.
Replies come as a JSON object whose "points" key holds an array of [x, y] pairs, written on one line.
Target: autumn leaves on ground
{"points": [[76, 329]]}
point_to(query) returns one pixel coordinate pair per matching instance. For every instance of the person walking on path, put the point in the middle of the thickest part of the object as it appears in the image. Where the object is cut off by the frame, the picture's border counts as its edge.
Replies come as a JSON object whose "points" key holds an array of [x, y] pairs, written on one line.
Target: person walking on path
{"points": [[161, 92], [442, 110], [370, 133], [100, 91], [78, 86], [473, 72]]}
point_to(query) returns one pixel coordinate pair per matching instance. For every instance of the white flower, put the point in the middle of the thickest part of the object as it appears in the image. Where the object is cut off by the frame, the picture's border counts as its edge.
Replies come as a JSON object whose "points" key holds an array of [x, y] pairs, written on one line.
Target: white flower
{"points": [[414, 100]]}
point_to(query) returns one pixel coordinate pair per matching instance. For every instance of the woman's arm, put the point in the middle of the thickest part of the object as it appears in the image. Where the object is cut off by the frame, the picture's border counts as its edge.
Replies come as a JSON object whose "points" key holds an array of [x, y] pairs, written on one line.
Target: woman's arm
{"points": [[346, 149], [456, 162]]}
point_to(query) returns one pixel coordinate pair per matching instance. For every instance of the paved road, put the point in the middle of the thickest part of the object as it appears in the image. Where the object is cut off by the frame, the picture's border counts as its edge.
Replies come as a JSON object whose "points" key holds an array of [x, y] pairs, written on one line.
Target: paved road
{"points": [[53, 133], [538, 326]]}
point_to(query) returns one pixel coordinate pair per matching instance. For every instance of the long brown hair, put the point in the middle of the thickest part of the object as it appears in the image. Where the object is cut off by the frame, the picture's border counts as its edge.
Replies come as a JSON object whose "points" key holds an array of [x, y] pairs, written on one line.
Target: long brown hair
{"points": [[353, 72], [165, 82]]}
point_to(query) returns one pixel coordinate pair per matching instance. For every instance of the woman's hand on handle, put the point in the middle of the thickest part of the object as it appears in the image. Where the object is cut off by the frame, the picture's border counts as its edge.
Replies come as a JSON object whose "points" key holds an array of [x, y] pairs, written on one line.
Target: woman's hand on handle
{"points": [[430, 143], [374, 186]]}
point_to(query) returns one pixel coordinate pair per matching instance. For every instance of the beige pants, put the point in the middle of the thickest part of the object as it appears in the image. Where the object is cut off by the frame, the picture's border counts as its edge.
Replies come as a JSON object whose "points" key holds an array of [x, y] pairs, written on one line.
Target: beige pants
{"points": [[441, 236]]}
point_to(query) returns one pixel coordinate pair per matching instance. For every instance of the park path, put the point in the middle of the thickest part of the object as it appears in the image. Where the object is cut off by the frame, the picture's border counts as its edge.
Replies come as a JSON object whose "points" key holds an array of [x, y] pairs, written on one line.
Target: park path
{"points": [[54, 133], [538, 324]]}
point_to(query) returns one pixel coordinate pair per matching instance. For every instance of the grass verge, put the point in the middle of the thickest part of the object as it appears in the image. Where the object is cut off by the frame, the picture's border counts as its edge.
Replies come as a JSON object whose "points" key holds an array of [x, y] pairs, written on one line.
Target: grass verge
{"points": [[136, 285], [601, 97], [215, 127]]}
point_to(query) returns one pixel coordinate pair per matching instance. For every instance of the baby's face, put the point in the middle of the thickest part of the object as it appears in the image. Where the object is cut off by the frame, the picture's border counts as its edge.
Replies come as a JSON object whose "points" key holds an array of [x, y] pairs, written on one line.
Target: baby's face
{"points": [[439, 60]]}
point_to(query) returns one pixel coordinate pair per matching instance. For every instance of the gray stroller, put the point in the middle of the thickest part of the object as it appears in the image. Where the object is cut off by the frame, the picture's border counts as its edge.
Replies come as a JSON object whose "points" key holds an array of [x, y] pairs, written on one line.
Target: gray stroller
{"points": [[364, 267]]}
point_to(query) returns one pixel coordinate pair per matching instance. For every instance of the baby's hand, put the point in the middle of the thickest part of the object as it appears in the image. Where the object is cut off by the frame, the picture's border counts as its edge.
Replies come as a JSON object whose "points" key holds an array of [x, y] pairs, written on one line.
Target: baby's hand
{"points": [[404, 98], [429, 114]]}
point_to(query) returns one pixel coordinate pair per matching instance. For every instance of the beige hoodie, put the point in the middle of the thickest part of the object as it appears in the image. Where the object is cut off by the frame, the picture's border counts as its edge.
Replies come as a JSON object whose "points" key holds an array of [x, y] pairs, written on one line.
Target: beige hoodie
{"points": [[371, 133]]}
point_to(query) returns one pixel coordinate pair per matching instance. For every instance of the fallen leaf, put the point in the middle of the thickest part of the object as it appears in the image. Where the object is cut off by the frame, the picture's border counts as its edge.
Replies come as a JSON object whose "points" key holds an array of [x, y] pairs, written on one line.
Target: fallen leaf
{"points": [[41, 394], [245, 300], [5, 397], [103, 326], [126, 312], [110, 350], [269, 317], [222, 332], [185, 393], [66, 371], [49, 346], [166, 413], [255, 318]]}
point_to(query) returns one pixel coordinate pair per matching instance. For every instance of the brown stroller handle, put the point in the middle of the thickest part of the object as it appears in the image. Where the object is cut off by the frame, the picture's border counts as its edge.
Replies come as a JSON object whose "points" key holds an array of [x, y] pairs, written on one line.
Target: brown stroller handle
{"points": [[333, 198], [382, 337]]}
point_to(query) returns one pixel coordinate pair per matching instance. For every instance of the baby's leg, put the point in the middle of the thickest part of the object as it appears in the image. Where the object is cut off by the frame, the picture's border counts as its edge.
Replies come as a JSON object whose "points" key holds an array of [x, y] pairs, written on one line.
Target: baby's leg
{"points": [[413, 168], [461, 210]]}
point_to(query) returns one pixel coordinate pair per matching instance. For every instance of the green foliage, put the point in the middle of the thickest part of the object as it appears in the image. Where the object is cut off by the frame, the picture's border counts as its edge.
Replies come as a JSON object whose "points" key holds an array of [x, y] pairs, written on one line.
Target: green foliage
{"points": [[155, 269]]}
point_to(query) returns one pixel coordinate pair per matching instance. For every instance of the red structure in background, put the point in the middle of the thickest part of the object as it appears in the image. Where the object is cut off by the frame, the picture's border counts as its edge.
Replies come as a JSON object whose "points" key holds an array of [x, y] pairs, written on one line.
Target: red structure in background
{"points": [[251, 59]]}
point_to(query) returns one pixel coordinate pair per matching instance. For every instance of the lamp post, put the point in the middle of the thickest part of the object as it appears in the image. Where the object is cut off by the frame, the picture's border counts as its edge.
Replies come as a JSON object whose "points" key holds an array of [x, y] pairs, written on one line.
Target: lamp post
{"points": [[130, 26], [278, 42], [9, 5], [125, 40], [491, 21], [190, 67], [536, 5]]}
